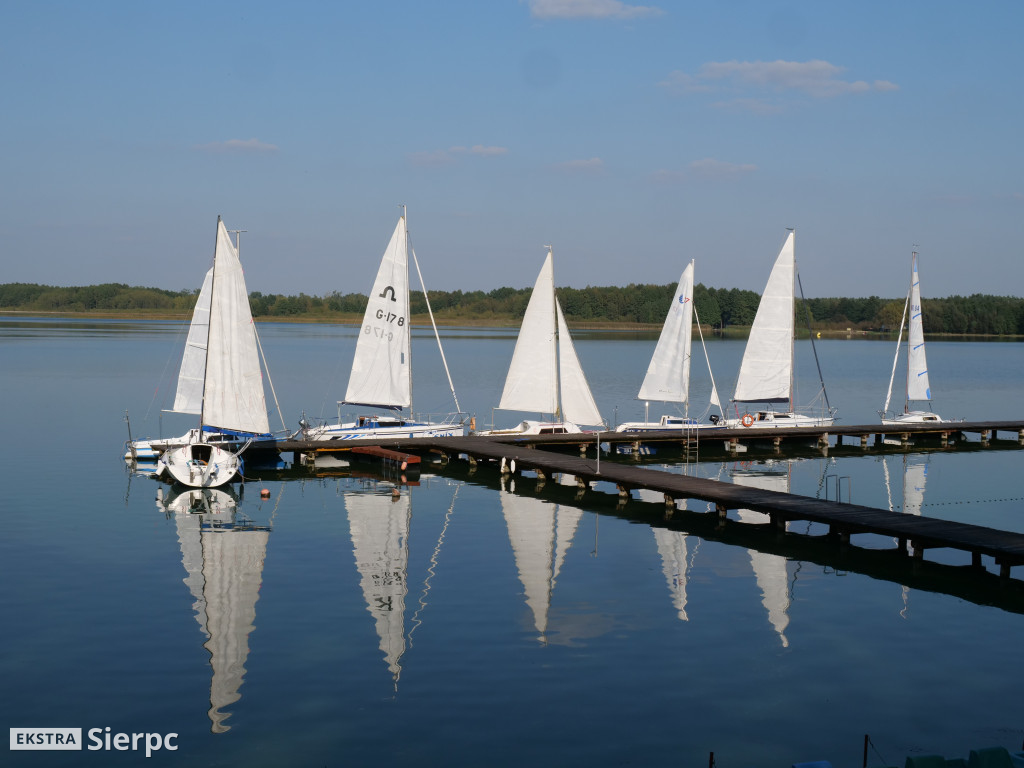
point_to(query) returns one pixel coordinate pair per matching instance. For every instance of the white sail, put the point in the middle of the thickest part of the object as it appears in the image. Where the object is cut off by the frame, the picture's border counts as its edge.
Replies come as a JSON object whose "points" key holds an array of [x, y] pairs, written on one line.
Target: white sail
{"points": [[541, 535], [532, 380], [917, 367], [766, 372], [577, 401], [545, 374], [189, 396], [382, 367], [233, 397], [770, 571], [668, 375], [380, 541]]}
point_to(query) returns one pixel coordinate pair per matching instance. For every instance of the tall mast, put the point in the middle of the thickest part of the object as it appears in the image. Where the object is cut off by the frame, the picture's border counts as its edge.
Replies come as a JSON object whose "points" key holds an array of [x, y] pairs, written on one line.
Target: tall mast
{"points": [[408, 303], [792, 310], [209, 327], [554, 320]]}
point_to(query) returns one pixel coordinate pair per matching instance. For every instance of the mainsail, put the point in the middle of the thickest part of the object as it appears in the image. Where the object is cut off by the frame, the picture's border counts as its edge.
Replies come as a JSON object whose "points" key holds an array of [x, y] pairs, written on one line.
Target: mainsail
{"points": [[233, 392], [917, 367], [766, 373], [545, 374], [382, 368], [668, 375]]}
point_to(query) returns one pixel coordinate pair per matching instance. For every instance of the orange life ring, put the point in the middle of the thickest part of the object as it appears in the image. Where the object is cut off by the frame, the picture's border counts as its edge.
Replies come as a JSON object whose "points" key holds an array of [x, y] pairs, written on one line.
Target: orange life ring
{"points": [[747, 420]]}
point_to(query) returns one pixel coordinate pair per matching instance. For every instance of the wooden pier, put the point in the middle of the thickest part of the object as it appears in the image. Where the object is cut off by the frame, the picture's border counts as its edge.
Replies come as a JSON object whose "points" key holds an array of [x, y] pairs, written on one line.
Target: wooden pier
{"points": [[913, 534]]}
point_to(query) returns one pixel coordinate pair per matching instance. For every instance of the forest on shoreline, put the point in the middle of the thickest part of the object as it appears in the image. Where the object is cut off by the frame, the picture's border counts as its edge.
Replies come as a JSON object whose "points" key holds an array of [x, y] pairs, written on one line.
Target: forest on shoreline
{"points": [[634, 304]]}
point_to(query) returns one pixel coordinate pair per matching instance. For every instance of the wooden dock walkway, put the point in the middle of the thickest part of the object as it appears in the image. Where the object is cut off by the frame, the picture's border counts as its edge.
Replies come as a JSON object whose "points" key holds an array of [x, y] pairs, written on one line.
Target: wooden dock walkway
{"points": [[515, 454]]}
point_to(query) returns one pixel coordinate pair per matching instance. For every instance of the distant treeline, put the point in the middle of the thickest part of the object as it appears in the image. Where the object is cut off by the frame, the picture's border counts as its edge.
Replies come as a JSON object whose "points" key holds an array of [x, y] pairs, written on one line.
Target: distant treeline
{"points": [[647, 304]]}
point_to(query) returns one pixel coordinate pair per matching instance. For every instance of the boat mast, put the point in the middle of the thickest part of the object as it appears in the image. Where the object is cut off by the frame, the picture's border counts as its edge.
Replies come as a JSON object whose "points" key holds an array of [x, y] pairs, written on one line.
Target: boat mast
{"points": [[209, 324], [554, 319], [910, 310], [408, 304], [792, 339]]}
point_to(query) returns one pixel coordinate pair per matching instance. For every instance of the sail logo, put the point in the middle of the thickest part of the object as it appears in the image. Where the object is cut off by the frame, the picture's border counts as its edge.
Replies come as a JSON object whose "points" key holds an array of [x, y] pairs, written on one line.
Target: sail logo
{"points": [[684, 299]]}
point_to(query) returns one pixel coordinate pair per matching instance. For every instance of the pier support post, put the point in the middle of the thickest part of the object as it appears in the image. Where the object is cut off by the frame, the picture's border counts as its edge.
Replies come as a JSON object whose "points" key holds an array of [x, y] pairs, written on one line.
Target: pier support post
{"points": [[777, 444], [472, 461], [901, 545], [823, 440], [583, 450], [863, 441], [976, 560], [623, 492], [722, 511], [670, 502], [984, 437], [1020, 437], [1004, 570]]}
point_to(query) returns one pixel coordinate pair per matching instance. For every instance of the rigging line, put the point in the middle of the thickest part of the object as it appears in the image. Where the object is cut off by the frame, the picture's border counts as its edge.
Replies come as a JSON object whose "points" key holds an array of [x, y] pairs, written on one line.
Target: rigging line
{"points": [[896, 358], [167, 363], [807, 311], [415, 620], [270, 381], [436, 334], [715, 400]]}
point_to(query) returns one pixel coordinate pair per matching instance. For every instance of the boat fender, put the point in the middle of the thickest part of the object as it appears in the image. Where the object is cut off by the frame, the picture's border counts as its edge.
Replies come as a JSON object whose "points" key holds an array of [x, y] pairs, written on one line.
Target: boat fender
{"points": [[747, 420]]}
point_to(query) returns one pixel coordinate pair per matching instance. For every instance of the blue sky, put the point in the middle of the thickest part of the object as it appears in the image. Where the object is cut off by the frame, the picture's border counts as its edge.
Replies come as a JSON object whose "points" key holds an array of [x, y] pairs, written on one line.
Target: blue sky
{"points": [[631, 137]]}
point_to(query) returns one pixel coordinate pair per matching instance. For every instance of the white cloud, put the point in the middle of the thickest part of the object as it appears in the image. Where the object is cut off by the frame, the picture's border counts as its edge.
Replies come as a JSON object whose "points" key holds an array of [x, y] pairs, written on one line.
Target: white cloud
{"points": [[816, 78], [238, 145], [590, 165], [589, 9], [479, 149], [709, 168], [448, 156]]}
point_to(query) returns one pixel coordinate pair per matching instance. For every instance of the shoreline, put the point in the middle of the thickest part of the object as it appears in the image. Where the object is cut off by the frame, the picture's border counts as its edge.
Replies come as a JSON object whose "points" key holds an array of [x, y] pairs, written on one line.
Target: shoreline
{"points": [[739, 332]]}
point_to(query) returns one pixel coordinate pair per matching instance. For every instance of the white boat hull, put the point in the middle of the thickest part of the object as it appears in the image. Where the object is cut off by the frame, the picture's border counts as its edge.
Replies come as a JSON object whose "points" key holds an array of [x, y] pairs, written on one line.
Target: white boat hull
{"points": [[914, 417], [530, 427], [773, 420], [676, 423], [200, 465], [368, 426]]}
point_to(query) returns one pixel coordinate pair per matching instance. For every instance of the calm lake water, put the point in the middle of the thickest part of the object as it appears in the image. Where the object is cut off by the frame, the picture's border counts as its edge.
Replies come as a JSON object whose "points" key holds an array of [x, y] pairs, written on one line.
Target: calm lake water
{"points": [[466, 622]]}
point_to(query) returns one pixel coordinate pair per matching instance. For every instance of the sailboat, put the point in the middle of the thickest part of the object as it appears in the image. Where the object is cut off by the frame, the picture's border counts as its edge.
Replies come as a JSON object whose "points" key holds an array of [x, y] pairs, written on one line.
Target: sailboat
{"points": [[668, 375], [918, 388], [381, 376], [192, 379], [220, 379], [766, 372], [545, 374]]}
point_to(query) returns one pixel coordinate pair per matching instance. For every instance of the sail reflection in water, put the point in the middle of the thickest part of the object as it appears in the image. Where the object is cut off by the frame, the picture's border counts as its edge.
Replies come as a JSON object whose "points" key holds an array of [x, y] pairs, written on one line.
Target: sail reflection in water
{"points": [[223, 557], [541, 534], [380, 540], [771, 571]]}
